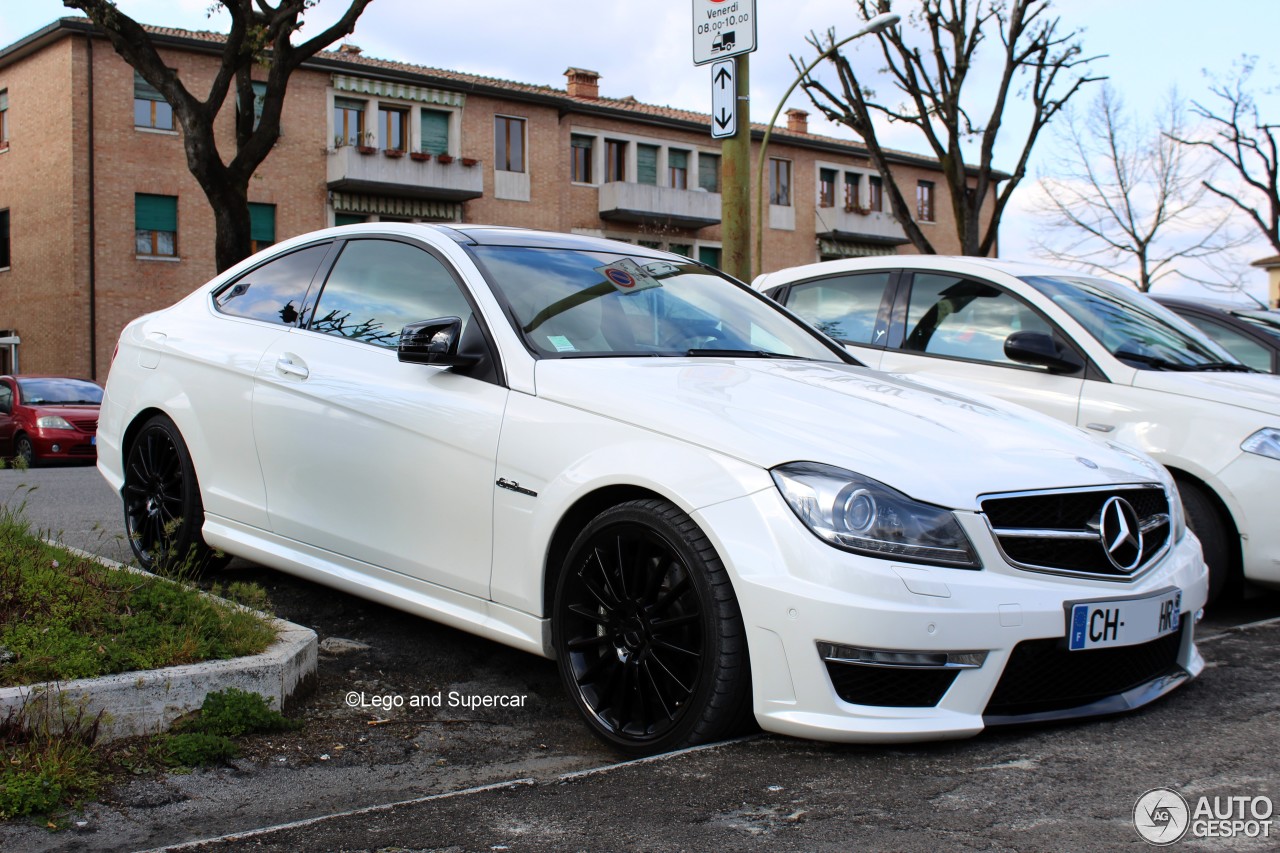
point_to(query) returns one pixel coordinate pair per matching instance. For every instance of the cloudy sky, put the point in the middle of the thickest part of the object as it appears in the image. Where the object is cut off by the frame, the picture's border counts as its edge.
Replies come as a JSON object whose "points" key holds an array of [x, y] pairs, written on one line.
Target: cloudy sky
{"points": [[644, 49]]}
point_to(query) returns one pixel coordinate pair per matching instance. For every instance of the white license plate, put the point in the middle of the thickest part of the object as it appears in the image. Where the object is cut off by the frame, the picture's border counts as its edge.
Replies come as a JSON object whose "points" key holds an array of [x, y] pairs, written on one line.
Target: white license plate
{"points": [[1123, 622]]}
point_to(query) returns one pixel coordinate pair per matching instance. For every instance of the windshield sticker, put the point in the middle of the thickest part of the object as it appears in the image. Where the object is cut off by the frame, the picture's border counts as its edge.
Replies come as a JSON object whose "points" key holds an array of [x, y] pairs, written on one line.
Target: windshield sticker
{"points": [[561, 343], [627, 276]]}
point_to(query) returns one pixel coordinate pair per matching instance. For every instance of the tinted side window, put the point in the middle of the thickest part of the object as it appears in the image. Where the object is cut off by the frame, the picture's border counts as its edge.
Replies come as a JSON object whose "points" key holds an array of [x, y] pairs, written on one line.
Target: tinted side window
{"points": [[957, 317], [1241, 346], [274, 291], [377, 287], [845, 307], [6, 399]]}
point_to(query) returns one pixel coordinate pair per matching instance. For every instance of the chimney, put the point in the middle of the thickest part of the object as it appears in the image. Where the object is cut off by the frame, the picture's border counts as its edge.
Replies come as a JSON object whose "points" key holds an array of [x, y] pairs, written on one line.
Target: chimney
{"points": [[797, 121], [583, 83], [349, 49]]}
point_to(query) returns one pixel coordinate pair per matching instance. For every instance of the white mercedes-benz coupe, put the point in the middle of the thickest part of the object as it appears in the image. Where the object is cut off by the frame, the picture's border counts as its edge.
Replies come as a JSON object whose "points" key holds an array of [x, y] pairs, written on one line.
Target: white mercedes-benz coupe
{"points": [[618, 458]]}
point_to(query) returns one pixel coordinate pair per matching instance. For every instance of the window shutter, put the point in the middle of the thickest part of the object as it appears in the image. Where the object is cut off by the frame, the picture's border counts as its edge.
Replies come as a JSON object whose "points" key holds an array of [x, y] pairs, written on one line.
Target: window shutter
{"points": [[348, 104], [677, 159], [647, 164], [435, 132], [4, 99], [709, 172], [262, 222], [155, 212], [142, 90], [259, 98]]}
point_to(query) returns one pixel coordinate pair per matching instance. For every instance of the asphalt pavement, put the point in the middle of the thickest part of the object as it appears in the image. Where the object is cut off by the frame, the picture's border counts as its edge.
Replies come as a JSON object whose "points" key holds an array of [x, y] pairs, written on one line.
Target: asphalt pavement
{"points": [[529, 778]]}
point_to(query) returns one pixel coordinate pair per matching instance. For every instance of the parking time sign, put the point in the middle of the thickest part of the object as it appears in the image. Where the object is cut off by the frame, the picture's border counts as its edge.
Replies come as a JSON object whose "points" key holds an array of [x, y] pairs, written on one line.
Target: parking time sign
{"points": [[723, 28]]}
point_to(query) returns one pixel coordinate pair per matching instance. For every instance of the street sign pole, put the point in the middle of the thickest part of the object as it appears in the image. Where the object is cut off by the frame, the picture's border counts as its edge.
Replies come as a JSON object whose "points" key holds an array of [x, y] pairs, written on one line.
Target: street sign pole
{"points": [[735, 191]]}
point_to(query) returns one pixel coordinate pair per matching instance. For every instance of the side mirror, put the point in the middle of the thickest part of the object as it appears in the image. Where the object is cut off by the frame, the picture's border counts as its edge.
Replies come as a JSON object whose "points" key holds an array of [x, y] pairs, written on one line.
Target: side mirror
{"points": [[433, 342], [1042, 350]]}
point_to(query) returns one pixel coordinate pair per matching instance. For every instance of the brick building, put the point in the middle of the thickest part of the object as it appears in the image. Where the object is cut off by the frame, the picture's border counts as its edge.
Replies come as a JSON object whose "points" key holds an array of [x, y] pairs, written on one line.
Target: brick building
{"points": [[100, 221]]}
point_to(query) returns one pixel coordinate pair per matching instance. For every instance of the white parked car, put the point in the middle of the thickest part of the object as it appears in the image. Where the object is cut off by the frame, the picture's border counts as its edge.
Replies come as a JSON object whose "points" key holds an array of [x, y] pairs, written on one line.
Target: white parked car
{"points": [[1085, 351], [623, 460]]}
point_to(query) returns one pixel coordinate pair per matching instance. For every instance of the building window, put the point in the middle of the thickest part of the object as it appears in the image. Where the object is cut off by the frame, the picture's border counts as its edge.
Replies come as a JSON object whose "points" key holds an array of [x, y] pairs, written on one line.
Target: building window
{"points": [[680, 249], [615, 157], [709, 172], [4, 239], [259, 96], [262, 225], [435, 131], [150, 109], [393, 129], [924, 201], [580, 150], [4, 118], [875, 193], [826, 188], [852, 191], [647, 164], [678, 170], [349, 218], [155, 222], [780, 182], [348, 122], [709, 255], [508, 144]]}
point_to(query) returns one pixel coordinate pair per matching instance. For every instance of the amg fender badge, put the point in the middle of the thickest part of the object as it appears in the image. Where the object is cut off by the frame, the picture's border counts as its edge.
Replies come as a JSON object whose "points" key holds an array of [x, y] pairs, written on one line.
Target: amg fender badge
{"points": [[504, 483]]}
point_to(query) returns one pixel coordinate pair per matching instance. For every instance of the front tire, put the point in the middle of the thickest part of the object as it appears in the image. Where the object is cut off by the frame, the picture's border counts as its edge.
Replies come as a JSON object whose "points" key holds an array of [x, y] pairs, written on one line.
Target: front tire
{"points": [[26, 451], [163, 512], [1206, 522], [648, 634]]}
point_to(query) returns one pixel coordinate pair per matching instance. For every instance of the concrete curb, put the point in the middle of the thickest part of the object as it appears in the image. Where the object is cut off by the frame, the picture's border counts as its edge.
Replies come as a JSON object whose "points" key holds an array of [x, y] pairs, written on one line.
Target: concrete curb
{"points": [[148, 702]]}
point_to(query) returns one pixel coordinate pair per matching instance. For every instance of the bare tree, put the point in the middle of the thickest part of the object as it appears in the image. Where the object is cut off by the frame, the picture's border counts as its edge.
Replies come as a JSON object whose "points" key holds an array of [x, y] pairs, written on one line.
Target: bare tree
{"points": [[1239, 137], [1128, 199], [1039, 62], [261, 35]]}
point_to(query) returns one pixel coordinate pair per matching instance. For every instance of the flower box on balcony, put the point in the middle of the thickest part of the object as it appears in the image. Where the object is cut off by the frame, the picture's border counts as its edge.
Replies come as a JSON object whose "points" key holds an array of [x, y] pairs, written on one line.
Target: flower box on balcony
{"points": [[420, 156], [444, 159], [366, 149], [393, 152], [470, 161]]}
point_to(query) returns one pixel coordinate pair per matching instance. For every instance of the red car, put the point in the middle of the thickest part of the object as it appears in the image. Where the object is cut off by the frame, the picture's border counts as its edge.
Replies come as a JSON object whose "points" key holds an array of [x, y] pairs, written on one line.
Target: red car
{"points": [[49, 418]]}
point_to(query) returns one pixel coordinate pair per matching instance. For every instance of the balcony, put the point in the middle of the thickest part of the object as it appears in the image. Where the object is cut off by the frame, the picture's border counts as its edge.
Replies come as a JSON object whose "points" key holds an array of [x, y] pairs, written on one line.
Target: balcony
{"points": [[876, 227], [377, 174], [650, 205]]}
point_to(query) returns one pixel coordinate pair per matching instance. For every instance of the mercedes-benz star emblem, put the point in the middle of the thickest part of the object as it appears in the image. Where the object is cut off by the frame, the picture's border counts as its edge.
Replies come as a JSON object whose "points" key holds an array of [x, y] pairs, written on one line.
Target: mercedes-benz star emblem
{"points": [[1121, 534]]}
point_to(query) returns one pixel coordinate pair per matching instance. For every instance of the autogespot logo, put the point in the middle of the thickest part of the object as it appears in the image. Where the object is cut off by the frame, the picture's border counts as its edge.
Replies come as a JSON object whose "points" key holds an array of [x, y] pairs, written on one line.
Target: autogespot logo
{"points": [[1161, 816]]}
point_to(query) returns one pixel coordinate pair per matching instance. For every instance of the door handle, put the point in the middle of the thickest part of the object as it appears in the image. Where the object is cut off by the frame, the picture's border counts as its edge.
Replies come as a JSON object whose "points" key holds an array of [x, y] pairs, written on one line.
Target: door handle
{"points": [[285, 365]]}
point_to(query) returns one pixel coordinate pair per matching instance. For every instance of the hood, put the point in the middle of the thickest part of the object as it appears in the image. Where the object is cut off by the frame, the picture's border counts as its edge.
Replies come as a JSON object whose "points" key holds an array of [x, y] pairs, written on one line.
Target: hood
{"points": [[1257, 391], [931, 443]]}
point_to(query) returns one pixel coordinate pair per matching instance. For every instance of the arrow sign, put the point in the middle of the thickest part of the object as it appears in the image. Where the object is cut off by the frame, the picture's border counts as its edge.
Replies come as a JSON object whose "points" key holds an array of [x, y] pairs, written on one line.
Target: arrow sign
{"points": [[724, 99]]}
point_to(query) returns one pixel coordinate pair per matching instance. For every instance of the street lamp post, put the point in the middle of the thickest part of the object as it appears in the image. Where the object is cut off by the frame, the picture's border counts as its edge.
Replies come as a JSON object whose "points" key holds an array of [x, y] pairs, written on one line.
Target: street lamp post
{"points": [[875, 25]]}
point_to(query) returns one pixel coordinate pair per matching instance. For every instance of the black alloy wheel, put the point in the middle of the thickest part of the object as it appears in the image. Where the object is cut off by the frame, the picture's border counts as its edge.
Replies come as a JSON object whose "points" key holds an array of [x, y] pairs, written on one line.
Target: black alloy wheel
{"points": [[648, 634], [163, 512], [1205, 520], [23, 449]]}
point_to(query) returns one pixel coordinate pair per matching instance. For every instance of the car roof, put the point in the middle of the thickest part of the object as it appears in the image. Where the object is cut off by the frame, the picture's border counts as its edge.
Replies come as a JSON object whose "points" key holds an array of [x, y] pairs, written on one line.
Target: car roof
{"points": [[504, 235], [956, 263], [1216, 305]]}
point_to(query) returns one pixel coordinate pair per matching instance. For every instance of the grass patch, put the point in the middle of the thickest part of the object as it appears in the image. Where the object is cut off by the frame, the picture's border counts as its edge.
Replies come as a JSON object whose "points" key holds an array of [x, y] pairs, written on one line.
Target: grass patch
{"points": [[64, 617]]}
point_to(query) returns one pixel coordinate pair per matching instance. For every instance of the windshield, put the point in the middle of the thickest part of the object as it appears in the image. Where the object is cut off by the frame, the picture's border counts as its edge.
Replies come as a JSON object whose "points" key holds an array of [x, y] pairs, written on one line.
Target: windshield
{"points": [[1267, 321], [58, 392], [578, 304], [1133, 327]]}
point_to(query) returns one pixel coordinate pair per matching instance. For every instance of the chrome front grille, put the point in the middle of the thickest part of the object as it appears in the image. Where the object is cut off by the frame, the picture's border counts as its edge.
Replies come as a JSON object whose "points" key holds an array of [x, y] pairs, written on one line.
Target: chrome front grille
{"points": [[1111, 532]]}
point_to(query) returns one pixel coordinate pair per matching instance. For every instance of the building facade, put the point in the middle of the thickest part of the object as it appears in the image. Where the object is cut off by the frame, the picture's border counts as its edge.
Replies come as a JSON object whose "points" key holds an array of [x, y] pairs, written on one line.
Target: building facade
{"points": [[100, 220]]}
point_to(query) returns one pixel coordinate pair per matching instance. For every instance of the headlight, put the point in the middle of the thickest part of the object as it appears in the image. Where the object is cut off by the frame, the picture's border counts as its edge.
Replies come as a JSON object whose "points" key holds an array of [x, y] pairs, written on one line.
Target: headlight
{"points": [[867, 517], [1264, 442], [53, 422]]}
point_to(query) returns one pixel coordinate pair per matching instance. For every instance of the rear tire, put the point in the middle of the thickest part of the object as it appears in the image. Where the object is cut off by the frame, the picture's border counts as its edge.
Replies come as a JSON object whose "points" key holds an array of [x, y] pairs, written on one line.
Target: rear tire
{"points": [[1206, 522], [648, 634], [163, 511]]}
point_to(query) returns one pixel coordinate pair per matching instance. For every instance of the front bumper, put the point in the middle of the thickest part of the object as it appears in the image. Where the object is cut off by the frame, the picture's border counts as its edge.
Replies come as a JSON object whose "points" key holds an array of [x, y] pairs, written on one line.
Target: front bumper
{"points": [[796, 592], [1249, 483], [64, 445]]}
